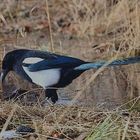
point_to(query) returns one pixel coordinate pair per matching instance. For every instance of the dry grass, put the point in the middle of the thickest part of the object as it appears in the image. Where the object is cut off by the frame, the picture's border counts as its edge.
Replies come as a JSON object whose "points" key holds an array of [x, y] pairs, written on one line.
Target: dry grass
{"points": [[94, 124], [89, 29]]}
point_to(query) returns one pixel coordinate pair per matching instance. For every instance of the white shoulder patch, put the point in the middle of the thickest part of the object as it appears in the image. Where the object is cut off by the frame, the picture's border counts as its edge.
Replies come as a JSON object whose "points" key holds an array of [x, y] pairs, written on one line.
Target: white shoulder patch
{"points": [[32, 60], [44, 78]]}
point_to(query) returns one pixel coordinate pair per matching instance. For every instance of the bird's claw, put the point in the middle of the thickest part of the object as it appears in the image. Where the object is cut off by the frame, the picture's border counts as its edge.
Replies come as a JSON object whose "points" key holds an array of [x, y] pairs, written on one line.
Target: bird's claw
{"points": [[53, 99]]}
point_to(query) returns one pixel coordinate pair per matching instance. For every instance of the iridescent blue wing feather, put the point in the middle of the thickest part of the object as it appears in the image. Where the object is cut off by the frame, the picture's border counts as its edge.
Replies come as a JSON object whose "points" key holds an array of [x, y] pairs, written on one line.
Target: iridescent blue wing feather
{"points": [[59, 62]]}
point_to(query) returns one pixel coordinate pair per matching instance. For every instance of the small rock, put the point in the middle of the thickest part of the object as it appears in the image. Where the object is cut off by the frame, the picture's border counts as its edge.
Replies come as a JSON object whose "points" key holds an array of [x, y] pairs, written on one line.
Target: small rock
{"points": [[24, 130]]}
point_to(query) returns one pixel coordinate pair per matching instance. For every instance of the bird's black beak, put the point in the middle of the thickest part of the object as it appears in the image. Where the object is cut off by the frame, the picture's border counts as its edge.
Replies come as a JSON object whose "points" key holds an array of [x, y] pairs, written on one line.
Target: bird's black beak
{"points": [[3, 75]]}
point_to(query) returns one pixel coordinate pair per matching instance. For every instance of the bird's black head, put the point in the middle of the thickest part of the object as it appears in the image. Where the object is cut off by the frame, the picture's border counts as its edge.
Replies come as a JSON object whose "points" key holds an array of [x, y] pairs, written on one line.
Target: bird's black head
{"points": [[9, 60], [7, 64]]}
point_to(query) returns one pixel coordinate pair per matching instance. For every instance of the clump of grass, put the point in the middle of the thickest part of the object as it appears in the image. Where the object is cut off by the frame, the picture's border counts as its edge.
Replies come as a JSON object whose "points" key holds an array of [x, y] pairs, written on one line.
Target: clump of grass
{"points": [[104, 130]]}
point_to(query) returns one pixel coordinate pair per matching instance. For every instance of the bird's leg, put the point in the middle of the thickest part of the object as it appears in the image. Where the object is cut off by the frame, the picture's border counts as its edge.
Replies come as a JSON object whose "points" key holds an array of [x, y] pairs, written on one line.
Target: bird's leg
{"points": [[51, 93]]}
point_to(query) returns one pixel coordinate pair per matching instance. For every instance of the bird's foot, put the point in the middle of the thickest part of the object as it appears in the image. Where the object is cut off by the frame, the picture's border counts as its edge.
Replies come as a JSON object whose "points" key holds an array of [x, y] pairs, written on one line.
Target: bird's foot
{"points": [[53, 99], [51, 94]]}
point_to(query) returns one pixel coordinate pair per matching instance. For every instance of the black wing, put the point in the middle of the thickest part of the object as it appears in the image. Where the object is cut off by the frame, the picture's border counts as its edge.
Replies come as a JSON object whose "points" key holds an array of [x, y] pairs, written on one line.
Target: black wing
{"points": [[51, 61]]}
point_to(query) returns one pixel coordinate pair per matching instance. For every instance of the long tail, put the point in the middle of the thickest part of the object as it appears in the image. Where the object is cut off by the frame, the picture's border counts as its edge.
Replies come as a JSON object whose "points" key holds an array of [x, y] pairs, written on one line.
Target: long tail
{"points": [[92, 65]]}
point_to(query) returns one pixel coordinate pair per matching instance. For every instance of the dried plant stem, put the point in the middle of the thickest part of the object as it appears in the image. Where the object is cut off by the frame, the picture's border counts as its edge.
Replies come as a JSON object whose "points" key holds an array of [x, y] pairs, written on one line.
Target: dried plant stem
{"points": [[8, 120], [50, 28]]}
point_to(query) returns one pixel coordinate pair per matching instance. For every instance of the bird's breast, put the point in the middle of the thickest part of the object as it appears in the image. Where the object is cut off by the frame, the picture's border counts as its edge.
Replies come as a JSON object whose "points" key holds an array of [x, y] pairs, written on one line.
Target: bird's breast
{"points": [[44, 78]]}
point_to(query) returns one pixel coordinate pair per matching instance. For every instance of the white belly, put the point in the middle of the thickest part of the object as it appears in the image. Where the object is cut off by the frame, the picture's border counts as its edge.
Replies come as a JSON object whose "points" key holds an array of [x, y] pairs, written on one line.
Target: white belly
{"points": [[44, 78]]}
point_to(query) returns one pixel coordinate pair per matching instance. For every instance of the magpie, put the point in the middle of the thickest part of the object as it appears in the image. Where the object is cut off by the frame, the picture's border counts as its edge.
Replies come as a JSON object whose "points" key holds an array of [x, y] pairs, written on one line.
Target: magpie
{"points": [[49, 70]]}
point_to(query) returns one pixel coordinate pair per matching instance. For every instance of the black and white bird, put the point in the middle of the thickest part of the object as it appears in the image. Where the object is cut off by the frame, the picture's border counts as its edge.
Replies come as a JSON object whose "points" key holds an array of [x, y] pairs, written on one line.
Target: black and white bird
{"points": [[51, 70]]}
